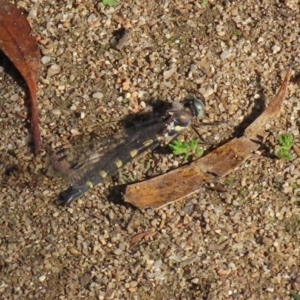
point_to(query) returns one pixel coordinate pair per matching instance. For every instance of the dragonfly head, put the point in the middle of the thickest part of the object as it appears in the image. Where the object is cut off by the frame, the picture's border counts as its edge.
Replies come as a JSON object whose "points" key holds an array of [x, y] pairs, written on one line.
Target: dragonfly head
{"points": [[195, 105]]}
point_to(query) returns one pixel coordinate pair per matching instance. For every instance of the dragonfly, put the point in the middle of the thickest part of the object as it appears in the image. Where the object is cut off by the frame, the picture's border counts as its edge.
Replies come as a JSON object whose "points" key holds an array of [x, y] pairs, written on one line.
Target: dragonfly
{"points": [[86, 166]]}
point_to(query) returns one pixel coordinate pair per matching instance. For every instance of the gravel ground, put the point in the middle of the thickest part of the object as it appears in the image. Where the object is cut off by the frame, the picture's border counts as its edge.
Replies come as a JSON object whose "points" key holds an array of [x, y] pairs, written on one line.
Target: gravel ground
{"points": [[241, 244]]}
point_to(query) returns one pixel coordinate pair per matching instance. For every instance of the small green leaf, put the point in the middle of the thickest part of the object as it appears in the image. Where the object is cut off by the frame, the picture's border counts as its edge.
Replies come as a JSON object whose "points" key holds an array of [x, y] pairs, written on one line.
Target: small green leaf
{"points": [[286, 140], [295, 296], [111, 2], [286, 143], [186, 148]]}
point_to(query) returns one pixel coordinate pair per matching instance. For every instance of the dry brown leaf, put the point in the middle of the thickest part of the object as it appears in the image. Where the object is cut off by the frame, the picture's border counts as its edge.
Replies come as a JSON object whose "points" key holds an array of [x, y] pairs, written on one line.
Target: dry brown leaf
{"points": [[184, 181], [22, 49], [162, 190]]}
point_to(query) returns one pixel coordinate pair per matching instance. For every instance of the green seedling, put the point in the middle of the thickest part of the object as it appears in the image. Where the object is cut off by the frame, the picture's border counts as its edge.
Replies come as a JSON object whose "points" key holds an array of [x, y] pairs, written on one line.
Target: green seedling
{"points": [[125, 179], [186, 148], [283, 150], [111, 2], [295, 296]]}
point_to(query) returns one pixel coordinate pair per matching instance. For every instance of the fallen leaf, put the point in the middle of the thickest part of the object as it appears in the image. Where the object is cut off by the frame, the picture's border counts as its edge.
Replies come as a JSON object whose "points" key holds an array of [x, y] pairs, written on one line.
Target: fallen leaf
{"points": [[22, 49], [179, 183], [157, 193]]}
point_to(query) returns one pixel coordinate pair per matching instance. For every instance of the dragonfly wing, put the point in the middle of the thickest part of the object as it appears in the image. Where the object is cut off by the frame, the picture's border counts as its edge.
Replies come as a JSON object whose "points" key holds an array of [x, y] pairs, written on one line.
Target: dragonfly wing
{"points": [[80, 164]]}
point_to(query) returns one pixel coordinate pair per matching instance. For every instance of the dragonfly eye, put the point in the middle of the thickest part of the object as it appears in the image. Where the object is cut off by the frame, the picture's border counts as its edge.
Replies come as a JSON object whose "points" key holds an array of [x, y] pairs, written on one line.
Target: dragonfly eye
{"points": [[195, 105]]}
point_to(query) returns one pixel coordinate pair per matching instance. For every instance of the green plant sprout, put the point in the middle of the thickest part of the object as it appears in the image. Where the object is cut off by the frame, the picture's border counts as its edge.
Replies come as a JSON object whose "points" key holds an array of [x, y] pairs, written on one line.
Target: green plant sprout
{"points": [[286, 143], [295, 296], [186, 148], [111, 2]]}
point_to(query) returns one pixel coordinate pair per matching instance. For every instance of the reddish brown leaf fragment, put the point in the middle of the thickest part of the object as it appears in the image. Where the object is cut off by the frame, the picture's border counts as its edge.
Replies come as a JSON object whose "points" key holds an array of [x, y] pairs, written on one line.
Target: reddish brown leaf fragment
{"points": [[22, 49]]}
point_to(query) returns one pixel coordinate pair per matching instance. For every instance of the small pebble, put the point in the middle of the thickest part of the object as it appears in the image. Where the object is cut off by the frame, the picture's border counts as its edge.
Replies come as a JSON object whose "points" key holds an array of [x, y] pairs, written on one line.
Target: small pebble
{"points": [[118, 252], [45, 59], [276, 49], [226, 54], [168, 73], [14, 97], [56, 112], [53, 70], [97, 95], [206, 92]]}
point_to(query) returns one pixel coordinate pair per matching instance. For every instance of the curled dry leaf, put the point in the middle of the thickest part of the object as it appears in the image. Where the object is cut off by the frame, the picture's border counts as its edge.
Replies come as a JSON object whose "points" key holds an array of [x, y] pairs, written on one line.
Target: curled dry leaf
{"points": [[184, 181], [22, 49]]}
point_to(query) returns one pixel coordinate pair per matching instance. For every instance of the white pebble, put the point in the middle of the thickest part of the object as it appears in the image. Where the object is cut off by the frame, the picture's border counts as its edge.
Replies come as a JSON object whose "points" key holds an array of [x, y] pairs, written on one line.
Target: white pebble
{"points": [[157, 264], [175, 164], [32, 14], [191, 23], [140, 94], [170, 72], [14, 97], [220, 30], [143, 105], [53, 70], [260, 39], [206, 92], [45, 59], [276, 49], [118, 251], [42, 278], [91, 18], [193, 68], [75, 132], [97, 95], [225, 54], [56, 111], [195, 280]]}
